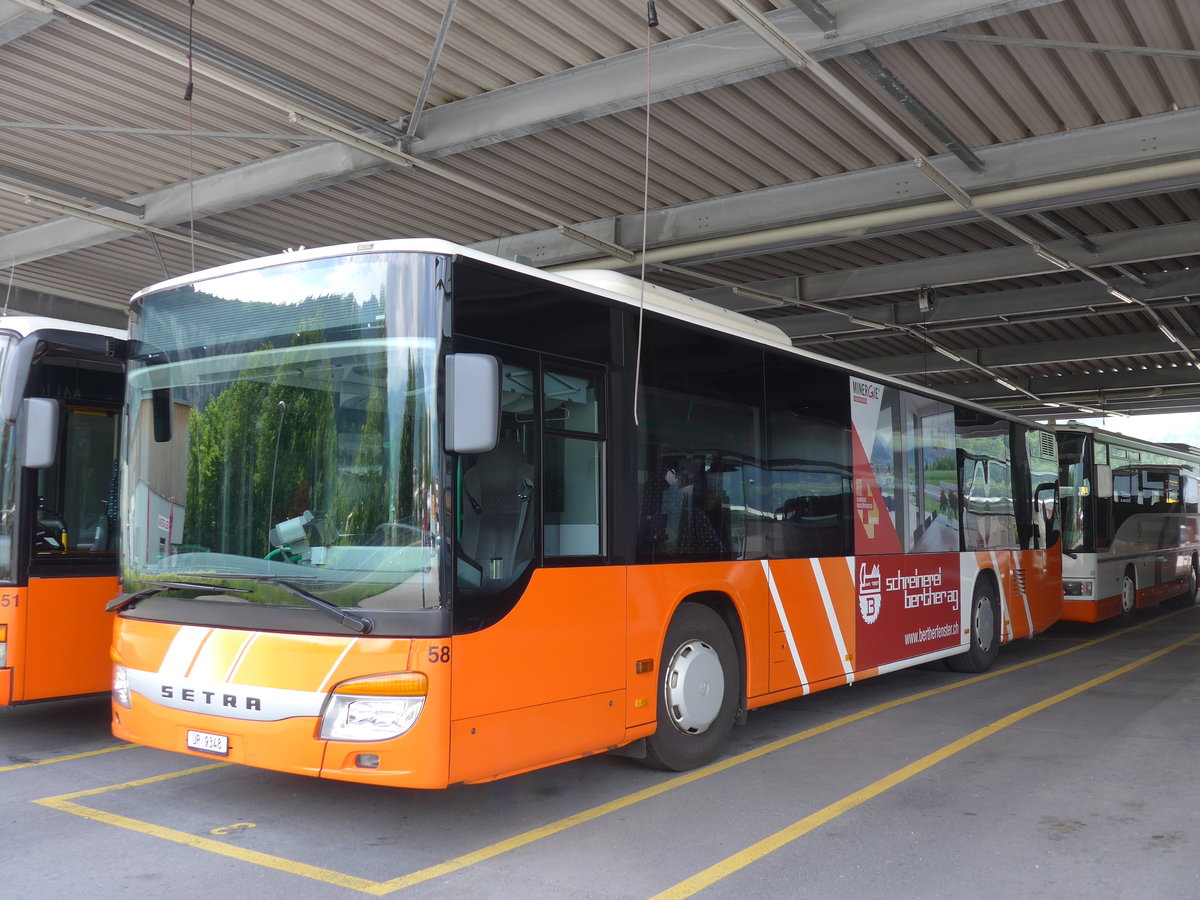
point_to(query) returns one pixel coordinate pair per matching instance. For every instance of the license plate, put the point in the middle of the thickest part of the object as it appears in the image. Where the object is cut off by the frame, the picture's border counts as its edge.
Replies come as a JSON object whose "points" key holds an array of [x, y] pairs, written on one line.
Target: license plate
{"points": [[216, 744]]}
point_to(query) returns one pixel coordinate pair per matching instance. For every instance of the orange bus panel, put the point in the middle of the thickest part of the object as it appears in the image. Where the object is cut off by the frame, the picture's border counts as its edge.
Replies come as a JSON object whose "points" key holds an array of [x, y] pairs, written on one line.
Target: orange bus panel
{"points": [[67, 637]]}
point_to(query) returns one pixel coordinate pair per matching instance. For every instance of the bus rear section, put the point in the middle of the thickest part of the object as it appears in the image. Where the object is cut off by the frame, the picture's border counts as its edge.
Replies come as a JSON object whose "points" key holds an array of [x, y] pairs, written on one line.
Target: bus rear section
{"points": [[399, 523], [1131, 523], [61, 386]]}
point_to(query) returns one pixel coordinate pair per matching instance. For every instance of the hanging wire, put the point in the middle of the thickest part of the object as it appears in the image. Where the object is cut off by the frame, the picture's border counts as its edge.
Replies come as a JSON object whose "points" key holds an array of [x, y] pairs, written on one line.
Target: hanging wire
{"points": [[651, 22]]}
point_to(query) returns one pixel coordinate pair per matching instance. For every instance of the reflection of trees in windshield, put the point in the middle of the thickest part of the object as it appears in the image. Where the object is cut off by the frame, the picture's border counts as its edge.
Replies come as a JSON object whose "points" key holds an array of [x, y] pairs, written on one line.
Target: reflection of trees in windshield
{"points": [[255, 455], [288, 438]]}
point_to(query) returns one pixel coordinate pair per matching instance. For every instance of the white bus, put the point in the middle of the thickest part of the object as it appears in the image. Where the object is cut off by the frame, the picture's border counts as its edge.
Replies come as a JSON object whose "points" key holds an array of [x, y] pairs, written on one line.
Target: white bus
{"points": [[1131, 523]]}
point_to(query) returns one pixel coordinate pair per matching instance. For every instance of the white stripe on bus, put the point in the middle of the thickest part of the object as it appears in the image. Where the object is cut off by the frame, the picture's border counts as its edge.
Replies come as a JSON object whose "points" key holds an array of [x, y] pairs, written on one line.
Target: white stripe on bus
{"points": [[787, 628], [182, 653], [834, 625]]}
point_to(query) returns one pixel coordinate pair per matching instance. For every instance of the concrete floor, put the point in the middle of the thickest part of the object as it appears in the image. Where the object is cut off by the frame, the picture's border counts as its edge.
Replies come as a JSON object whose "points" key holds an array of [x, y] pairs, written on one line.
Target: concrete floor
{"points": [[1067, 770]]}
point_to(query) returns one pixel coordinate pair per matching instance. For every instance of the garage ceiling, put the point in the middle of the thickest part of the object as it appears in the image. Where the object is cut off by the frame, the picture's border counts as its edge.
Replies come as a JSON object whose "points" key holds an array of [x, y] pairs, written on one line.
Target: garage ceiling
{"points": [[998, 199]]}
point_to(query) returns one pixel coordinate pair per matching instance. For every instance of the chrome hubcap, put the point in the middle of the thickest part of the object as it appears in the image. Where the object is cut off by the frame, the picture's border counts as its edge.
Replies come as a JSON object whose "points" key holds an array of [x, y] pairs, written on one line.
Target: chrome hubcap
{"points": [[985, 624], [694, 687]]}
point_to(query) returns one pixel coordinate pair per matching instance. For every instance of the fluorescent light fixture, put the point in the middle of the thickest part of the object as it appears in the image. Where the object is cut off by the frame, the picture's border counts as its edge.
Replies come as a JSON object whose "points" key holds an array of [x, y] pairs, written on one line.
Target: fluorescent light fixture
{"points": [[1170, 336], [1052, 258], [1121, 295], [1054, 405], [949, 354], [866, 323], [1007, 384]]}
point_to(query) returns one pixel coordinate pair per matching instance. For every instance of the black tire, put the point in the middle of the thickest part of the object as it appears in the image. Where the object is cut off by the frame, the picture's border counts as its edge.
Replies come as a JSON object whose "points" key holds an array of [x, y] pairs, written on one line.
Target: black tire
{"points": [[1128, 595], [698, 658], [1188, 597], [985, 630]]}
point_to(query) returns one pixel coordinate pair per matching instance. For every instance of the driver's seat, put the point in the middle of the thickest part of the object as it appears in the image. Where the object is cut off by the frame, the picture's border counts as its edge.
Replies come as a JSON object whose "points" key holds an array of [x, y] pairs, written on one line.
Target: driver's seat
{"points": [[495, 542]]}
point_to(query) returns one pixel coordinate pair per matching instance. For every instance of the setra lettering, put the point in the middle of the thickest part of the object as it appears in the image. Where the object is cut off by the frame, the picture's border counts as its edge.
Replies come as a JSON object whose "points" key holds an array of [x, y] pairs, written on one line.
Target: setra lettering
{"points": [[210, 698]]}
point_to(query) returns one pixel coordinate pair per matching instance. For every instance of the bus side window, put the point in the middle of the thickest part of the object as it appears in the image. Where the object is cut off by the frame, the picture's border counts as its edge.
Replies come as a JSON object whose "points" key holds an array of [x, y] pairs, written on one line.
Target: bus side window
{"points": [[572, 463]]}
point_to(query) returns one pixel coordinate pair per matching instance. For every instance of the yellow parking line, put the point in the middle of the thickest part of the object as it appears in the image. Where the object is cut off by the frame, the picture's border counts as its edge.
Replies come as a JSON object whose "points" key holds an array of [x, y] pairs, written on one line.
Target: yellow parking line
{"points": [[59, 759], [65, 802], [544, 831], [770, 844]]}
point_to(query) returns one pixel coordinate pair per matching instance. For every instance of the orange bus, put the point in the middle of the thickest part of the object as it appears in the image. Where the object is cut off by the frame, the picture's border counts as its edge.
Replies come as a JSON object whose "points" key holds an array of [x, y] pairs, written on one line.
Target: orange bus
{"points": [[1131, 522], [402, 513], [61, 389]]}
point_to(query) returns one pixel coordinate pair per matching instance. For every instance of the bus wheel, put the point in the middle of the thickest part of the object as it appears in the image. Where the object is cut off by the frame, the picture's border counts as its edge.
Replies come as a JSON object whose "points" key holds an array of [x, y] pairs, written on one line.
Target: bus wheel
{"points": [[1188, 597], [698, 690], [1128, 595], [985, 631]]}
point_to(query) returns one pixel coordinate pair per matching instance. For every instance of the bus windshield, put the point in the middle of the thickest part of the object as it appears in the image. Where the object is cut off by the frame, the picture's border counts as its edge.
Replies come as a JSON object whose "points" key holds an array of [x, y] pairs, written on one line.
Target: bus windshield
{"points": [[282, 428]]}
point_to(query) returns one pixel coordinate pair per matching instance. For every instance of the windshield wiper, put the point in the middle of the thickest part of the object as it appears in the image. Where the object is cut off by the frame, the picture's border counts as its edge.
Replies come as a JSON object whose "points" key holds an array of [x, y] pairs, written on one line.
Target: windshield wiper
{"points": [[350, 619], [124, 601], [354, 621]]}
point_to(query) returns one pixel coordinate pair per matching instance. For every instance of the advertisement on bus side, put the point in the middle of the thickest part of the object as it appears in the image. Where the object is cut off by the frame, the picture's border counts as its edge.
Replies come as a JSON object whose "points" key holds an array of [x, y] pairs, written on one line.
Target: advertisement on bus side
{"points": [[907, 606]]}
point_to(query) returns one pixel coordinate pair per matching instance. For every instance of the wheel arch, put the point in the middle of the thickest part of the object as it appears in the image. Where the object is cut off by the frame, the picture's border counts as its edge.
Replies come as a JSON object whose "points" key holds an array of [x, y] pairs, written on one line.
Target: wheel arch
{"points": [[724, 606], [990, 578]]}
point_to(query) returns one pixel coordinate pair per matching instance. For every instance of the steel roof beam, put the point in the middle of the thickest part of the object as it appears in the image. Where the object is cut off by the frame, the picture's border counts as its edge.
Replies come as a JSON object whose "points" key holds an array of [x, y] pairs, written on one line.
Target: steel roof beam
{"points": [[886, 79], [1041, 44], [1110, 250], [103, 201], [1113, 385], [1087, 297], [26, 299], [18, 20], [1125, 345], [870, 195], [698, 62]]}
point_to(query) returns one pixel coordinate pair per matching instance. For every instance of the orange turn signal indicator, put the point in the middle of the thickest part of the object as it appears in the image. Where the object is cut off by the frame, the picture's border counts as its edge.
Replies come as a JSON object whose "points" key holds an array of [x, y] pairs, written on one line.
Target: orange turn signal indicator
{"points": [[395, 684]]}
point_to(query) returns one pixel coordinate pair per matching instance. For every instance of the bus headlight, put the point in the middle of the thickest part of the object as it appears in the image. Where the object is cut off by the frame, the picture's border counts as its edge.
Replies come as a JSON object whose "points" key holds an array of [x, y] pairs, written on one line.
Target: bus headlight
{"points": [[120, 688], [1077, 587], [375, 708], [3, 646]]}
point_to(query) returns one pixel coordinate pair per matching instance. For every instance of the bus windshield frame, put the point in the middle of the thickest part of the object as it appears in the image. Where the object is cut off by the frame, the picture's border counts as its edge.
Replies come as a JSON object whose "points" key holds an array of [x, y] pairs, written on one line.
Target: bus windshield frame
{"points": [[284, 441]]}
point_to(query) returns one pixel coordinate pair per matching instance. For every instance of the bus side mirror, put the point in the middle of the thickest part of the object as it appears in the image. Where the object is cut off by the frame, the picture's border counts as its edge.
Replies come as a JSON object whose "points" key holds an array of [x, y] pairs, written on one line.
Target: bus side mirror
{"points": [[472, 402], [1104, 482], [39, 432]]}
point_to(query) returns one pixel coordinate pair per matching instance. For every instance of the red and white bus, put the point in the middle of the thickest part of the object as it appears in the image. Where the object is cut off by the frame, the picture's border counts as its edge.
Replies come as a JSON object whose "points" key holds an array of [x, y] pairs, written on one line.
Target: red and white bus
{"points": [[61, 389], [391, 516], [1131, 522]]}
